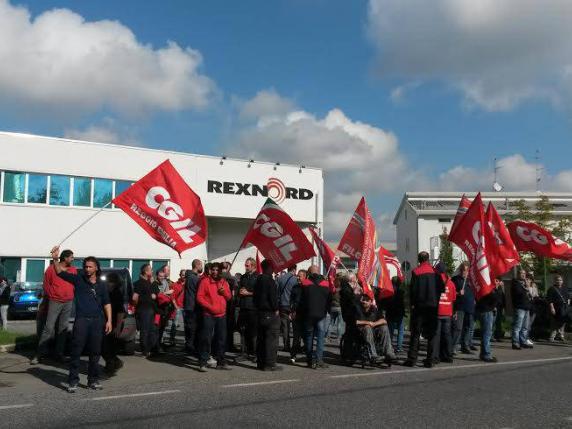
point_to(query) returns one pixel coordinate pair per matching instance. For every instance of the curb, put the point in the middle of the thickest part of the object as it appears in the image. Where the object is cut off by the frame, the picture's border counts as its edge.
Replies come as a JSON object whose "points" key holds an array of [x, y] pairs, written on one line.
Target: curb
{"points": [[9, 348]]}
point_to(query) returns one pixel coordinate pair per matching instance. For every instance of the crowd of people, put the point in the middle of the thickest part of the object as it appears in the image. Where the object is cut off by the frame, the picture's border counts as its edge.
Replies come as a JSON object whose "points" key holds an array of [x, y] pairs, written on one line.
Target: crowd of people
{"points": [[301, 307]]}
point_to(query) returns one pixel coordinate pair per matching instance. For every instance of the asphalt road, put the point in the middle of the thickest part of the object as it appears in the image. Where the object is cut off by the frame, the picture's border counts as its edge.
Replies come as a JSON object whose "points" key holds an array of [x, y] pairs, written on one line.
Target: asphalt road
{"points": [[527, 389]]}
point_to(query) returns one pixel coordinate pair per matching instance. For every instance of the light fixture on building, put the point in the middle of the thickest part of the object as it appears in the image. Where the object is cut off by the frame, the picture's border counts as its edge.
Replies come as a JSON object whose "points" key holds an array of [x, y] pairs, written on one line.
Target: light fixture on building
{"points": [[222, 159], [250, 162]]}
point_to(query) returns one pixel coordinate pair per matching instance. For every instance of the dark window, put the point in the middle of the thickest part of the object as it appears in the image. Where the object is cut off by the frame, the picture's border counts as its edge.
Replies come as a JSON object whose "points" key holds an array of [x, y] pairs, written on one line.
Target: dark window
{"points": [[102, 192], [14, 187], [59, 191], [37, 188], [81, 192]]}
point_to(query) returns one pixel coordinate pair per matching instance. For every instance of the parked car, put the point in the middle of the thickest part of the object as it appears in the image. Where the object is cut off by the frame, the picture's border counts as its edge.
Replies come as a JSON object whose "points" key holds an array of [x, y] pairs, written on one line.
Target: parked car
{"points": [[25, 299]]}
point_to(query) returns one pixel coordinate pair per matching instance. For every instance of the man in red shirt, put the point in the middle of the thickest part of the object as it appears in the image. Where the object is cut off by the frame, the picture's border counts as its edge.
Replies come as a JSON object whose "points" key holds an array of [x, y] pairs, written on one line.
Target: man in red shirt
{"points": [[59, 295], [443, 340], [212, 295]]}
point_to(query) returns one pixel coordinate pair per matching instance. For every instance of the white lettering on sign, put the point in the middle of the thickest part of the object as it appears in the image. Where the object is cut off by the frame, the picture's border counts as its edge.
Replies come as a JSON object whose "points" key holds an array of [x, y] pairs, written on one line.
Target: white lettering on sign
{"points": [[481, 257], [158, 198], [284, 243], [531, 235]]}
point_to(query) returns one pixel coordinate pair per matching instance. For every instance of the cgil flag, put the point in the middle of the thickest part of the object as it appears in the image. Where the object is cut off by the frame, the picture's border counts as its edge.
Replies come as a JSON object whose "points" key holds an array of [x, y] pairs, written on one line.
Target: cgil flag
{"points": [[391, 260], [278, 237], [381, 279], [166, 208], [529, 237], [464, 205], [470, 235], [502, 252]]}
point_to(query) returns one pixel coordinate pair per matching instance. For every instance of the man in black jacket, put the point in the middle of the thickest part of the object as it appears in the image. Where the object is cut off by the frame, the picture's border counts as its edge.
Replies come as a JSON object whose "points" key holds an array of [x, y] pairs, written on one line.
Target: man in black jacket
{"points": [[521, 304], [314, 305], [191, 312], [247, 316], [485, 308], [426, 288], [266, 302]]}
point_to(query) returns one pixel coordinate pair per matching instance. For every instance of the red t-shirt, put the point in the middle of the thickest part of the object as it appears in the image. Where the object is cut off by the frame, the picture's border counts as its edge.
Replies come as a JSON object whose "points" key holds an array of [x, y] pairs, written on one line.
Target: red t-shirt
{"points": [[447, 298], [178, 295], [56, 288]]}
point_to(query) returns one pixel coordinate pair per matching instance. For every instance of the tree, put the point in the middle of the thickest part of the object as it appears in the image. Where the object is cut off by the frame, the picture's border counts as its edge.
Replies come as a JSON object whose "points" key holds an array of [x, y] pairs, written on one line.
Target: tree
{"points": [[446, 252]]}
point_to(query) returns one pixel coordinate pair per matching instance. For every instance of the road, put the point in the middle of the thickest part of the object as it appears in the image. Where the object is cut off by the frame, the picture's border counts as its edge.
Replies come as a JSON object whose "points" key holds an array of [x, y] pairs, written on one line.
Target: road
{"points": [[527, 389]]}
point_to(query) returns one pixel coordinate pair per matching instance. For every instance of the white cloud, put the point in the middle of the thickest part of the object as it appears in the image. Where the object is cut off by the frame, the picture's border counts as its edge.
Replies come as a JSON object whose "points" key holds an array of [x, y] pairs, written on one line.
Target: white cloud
{"points": [[59, 60], [107, 131], [357, 158], [497, 53]]}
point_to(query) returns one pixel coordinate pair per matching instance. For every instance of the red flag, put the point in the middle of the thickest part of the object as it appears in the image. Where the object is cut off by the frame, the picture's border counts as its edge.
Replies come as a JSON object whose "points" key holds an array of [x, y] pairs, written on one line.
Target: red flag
{"points": [[391, 259], [258, 262], [502, 256], [278, 237], [326, 253], [359, 243], [463, 207], [529, 237], [166, 207], [381, 277], [470, 235]]}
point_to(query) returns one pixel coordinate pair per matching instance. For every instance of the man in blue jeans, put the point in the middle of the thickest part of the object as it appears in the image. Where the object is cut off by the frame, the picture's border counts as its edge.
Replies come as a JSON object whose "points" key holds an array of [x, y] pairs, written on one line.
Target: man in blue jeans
{"points": [[485, 310], [314, 304], [92, 318], [521, 303]]}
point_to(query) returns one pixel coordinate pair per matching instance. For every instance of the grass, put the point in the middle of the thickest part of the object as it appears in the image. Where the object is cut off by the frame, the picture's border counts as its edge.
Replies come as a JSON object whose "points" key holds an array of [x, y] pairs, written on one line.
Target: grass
{"points": [[8, 337]]}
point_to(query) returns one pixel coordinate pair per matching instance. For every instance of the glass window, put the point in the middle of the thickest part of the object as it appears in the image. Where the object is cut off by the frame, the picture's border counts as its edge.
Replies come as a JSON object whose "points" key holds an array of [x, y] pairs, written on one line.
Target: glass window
{"points": [[102, 192], [14, 187], [120, 186], [137, 264], [59, 191], [9, 268], [81, 192], [35, 270], [37, 188], [158, 264], [121, 263], [104, 263], [78, 263]]}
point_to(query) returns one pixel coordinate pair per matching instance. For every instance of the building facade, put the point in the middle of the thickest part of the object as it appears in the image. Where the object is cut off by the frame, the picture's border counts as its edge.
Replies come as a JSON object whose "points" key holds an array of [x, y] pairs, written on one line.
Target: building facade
{"points": [[423, 216], [50, 186]]}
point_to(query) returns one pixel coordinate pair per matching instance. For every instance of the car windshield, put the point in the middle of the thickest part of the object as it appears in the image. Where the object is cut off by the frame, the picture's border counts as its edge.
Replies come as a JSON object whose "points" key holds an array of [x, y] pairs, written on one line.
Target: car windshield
{"points": [[26, 286]]}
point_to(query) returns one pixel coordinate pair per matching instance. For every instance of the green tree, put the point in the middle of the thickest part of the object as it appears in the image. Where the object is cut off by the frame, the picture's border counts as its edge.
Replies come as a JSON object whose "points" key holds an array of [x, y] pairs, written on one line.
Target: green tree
{"points": [[446, 252]]}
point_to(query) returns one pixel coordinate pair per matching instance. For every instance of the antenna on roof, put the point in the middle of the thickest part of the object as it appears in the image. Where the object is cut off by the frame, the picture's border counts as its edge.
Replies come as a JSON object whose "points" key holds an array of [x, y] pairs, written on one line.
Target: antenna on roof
{"points": [[539, 169]]}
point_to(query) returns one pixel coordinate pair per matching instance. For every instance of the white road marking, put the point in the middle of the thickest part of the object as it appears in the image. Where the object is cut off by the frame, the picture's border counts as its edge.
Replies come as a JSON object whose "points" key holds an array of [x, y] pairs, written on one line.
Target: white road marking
{"points": [[448, 368], [9, 407], [133, 395], [260, 383]]}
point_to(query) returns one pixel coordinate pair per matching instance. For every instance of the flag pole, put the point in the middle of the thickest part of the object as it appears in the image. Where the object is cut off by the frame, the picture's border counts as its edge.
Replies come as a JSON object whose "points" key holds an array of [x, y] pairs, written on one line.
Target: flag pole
{"points": [[235, 256], [83, 223]]}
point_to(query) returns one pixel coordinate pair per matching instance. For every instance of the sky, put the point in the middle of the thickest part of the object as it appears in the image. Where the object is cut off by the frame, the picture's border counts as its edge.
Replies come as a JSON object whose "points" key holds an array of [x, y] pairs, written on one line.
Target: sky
{"points": [[386, 96]]}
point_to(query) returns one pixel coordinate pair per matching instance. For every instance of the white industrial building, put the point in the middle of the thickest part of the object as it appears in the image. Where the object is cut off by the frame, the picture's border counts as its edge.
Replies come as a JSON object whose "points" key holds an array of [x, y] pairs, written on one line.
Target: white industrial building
{"points": [[49, 186], [422, 216]]}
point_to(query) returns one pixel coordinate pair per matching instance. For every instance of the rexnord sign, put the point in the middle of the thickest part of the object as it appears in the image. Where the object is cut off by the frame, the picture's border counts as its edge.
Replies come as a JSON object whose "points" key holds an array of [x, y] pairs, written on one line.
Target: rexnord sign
{"points": [[253, 190]]}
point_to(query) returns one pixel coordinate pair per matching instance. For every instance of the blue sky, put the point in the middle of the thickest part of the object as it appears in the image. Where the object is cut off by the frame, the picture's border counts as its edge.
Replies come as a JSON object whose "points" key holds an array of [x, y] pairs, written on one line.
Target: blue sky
{"points": [[438, 109]]}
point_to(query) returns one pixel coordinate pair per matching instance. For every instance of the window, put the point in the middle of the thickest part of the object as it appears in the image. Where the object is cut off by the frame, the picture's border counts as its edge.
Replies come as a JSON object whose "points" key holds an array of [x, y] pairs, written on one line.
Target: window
{"points": [[59, 191], [104, 263], [444, 220], [121, 186], [35, 270], [136, 269], [158, 264], [102, 192], [10, 267], [121, 263], [14, 187], [78, 263], [81, 192], [37, 188]]}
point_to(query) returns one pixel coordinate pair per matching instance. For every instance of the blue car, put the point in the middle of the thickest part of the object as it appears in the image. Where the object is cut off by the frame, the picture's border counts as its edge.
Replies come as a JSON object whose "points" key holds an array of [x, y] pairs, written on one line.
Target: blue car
{"points": [[25, 299]]}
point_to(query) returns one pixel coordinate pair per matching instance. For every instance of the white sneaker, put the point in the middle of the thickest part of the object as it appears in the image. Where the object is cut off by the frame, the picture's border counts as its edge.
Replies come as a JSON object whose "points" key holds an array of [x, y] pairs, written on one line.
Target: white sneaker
{"points": [[529, 343], [211, 361]]}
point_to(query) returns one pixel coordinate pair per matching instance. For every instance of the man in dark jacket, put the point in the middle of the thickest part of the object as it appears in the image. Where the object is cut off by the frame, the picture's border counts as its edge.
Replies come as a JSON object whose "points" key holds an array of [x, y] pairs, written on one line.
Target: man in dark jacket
{"points": [[247, 317], [230, 306], [426, 288], [462, 283], [499, 312], [469, 302], [521, 304], [191, 311], [314, 305], [394, 308], [266, 301], [485, 309], [297, 322]]}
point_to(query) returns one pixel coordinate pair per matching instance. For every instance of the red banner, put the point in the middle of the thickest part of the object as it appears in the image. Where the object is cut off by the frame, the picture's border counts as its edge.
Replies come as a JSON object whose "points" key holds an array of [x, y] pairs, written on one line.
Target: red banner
{"points": [[463, 207], [391, 259], [381, 277], [470, 235], [166, 207], [502, 256], [352, 240], [258, 262], [529, 237], [326, 253], [278, 237]]}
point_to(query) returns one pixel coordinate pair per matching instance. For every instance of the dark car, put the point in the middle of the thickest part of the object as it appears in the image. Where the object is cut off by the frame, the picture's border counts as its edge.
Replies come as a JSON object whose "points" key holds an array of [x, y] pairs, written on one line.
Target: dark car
{"points": [[25, 299]]}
